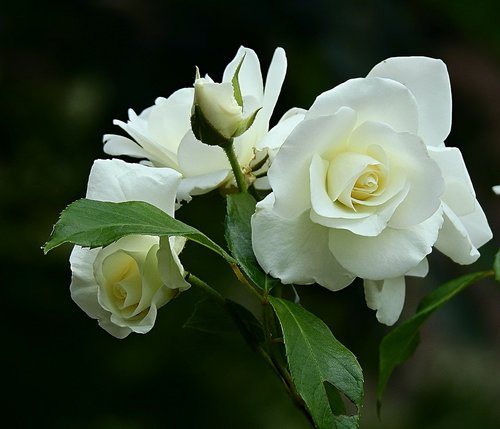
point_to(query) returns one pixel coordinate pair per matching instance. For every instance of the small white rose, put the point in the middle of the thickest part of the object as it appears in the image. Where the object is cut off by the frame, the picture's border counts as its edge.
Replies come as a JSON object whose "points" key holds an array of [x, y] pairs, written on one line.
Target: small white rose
{"points": [[124, 284], [218, 106], [364, 187]]}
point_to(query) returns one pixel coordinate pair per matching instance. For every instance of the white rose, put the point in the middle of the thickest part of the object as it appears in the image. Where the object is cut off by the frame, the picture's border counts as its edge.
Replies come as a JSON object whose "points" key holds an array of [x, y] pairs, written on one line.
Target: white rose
{"points": [[124, 284], [361, 184], [496, 189], [218, 105], [162, 134]]}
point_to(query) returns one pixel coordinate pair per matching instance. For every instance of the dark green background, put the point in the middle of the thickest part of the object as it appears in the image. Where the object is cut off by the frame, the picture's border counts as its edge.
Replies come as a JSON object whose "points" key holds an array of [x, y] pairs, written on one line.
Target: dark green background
{"points": [[68, 68]]}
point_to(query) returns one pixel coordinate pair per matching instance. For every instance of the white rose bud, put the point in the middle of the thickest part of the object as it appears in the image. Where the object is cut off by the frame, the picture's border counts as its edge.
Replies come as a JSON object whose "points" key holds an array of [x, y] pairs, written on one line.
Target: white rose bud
{"points": [[218, 106], [217, 113]]}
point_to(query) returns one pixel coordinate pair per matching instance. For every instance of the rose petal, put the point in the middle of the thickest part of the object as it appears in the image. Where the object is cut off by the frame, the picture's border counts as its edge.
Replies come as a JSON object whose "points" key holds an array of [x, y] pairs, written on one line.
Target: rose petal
{"points": [[421, 270], [83, 290], [274, 139], [408, 158], [137, 128], [373, 99], [116, 181], [460, 236], [428, 81], [196, 158], [83, 287], [274, 82], [169, 119], [289, 173], [295, 250], [459, 193], [198, 185], [390, 254], [387, 297], [250, 75], [122, 146]]}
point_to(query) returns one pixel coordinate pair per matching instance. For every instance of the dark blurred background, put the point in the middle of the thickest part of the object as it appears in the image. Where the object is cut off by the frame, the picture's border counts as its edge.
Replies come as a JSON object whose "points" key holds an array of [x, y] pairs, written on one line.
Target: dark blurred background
{"points": [[68, 68]]}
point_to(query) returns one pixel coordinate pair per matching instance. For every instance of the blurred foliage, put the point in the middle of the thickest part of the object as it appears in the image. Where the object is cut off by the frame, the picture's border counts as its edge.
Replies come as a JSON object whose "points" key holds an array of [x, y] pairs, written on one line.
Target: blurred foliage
{"points": [[67, 69]]}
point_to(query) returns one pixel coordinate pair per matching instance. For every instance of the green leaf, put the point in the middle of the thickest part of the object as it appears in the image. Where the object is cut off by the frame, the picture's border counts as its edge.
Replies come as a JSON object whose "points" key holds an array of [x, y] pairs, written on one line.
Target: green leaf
{"points": [[91, 223], [240, 208], [399, 344], [315, 358], [496, 266]]}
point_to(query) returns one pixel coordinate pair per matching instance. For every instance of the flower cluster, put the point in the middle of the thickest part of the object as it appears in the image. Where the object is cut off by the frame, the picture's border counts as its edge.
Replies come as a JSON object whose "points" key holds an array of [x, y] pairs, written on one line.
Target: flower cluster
{"points": [[360, 184]]}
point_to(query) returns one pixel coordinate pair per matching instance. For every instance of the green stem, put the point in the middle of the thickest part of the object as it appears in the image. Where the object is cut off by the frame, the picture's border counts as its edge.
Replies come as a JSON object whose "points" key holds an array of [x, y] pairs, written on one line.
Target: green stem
{"points": [[243, 280], [235, 165]]}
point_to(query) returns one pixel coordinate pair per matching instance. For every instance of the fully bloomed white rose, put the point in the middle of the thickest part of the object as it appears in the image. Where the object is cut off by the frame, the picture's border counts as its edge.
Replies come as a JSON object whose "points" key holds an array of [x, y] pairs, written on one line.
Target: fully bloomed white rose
{"points": [[162, 134], [365, 187], [124, 284]]}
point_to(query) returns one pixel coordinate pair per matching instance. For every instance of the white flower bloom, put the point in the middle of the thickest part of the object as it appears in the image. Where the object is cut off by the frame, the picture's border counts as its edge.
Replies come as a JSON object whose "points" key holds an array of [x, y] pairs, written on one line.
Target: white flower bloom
{"points": [[496, 189], [363, 185], [162, 134], [124, 284]]}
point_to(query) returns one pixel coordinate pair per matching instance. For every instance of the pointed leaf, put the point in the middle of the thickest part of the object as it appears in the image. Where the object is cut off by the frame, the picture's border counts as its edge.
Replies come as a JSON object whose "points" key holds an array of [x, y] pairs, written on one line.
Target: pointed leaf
{"points": [[240, 208], [399, 344], [91, 223], [315, 357]]}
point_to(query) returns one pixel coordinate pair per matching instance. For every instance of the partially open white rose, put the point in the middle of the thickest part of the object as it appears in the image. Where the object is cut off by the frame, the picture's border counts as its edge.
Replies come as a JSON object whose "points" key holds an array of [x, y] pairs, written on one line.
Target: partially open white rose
{"points": [[124, 284], [162, 134], [363, 185]]}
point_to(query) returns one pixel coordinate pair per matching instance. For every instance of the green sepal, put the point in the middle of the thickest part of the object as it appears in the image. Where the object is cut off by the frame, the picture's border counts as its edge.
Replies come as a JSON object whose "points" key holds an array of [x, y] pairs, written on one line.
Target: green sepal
{"points": [[236, 83], [245, 124]]}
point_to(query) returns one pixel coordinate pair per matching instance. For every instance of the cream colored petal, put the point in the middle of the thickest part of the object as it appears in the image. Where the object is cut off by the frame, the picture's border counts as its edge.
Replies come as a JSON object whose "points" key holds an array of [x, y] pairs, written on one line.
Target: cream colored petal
{"points": [[117, 181], [295, 250], [387, 297], [390, 254], [289, 173], [373, 99], [428, 80], [459, 193], [455, 238]]}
